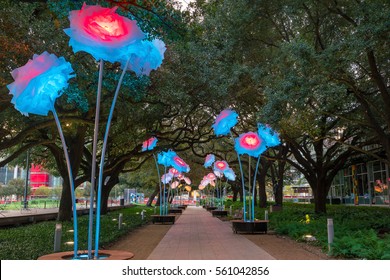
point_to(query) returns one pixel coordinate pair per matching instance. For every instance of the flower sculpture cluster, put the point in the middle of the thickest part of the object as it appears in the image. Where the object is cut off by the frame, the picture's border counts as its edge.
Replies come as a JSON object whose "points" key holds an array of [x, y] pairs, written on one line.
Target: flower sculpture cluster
{"points": [[252, 144], [177, 166], [107, 36], [220, 169]]}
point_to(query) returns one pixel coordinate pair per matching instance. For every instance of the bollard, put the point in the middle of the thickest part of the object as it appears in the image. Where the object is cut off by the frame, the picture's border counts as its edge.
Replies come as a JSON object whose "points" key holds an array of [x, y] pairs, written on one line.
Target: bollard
{"points": [[270, 208], [231, 210], [120, 219], [330, 234], [154, 209], [57, 238], [266, 215], [142, 214]]}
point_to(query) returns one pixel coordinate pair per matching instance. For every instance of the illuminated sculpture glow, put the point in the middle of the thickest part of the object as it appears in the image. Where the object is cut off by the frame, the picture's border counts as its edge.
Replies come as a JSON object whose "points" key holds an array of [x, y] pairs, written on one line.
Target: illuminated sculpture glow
{"points": [[250, 143], [224, 122], [39, 83], [210, 158], [144, 56], [149, 144], [102, 33]]}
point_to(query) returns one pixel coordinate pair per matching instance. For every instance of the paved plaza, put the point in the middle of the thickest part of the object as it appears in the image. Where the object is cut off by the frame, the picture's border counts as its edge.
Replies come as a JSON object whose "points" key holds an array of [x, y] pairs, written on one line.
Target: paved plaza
{"points": [[197, 235]]}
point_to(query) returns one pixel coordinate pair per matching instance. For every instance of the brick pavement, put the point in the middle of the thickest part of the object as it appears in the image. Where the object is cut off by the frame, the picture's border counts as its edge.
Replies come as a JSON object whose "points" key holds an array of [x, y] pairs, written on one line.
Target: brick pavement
{"points": [[197, 235]]}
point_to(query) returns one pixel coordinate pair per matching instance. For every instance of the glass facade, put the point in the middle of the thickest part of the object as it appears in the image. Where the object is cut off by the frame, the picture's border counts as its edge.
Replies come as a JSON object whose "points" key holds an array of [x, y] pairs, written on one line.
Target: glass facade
{"points": [[367, 182]]}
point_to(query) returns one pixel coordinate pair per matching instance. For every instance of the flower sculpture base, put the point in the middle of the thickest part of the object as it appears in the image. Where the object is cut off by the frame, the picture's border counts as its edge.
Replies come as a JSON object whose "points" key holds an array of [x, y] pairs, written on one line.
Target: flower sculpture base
{"points": [[219, 213], [175, 211], [241, 226], [103, 255], [211, 208], [163, 219]]}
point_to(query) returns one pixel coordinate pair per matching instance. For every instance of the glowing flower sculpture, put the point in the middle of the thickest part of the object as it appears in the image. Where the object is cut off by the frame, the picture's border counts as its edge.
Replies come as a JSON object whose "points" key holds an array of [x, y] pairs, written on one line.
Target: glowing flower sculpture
{"points": [[149, 144], [229, 174], [254, 144], [210, 158], [179, 164], [250, 143], [144, 56], [224, 122], [220, 166], [35, 89], [270, 137], [105, 35], [102, 33], [165, 158], [39, 82], [174, 172], [166, 178]]}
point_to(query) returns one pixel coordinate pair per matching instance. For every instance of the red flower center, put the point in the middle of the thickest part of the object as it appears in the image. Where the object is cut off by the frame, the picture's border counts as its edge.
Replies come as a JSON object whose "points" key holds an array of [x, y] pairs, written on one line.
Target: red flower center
{"points": [[105, 26], [221, 165]]}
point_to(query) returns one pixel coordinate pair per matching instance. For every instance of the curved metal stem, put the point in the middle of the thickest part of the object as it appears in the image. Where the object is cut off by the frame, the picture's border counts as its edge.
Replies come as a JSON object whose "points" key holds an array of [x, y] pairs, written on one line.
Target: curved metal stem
{"points": [[254, 186], [101, 167], [242, 180], [159, 179], [94, 150], [71, 182]]}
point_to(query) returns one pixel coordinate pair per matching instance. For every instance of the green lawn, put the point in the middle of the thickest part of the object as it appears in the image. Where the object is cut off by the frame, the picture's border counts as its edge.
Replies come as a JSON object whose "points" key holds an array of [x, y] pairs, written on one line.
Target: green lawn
{"points": [[361, 232]]}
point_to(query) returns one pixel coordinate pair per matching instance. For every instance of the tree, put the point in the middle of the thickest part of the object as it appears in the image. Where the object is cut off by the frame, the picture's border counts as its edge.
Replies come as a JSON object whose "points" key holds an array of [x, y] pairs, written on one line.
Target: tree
{"points": [[18, 185]]}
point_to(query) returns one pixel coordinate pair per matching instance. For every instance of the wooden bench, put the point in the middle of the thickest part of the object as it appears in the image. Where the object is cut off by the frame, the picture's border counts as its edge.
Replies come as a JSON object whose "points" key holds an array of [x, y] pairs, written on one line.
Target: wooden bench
{"points": [[163, 219], [259, 226]]}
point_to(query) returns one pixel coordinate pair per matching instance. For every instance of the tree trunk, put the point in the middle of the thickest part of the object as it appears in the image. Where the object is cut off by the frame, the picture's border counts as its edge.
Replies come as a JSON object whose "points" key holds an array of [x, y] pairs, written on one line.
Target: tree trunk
{"points": [[320, 192], [153, 195], [106, 189], [65, 210]]}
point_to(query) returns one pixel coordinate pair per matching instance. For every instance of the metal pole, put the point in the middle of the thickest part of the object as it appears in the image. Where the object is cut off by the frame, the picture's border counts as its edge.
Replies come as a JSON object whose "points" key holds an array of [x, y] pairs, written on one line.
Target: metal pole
{"points": [[94, 149], [57, 238], [26, 185], [120, 220], [330, 234], [71, 181]]}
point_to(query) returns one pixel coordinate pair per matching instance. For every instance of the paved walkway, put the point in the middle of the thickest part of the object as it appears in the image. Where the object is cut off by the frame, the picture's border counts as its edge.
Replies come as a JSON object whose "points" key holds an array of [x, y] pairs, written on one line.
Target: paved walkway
{"points": [[196, 235]]}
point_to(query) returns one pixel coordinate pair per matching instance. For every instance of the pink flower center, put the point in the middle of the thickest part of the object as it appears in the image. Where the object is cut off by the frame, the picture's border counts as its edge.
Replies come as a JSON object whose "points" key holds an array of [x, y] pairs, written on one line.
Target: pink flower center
{"points": [[105, 26], [221, 116], [179, 161], [221, 165], [250, 141]]}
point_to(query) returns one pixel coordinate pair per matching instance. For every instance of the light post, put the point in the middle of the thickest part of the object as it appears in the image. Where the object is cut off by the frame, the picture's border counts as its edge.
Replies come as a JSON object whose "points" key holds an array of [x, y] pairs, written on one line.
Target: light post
{"points": [[26, 184]]}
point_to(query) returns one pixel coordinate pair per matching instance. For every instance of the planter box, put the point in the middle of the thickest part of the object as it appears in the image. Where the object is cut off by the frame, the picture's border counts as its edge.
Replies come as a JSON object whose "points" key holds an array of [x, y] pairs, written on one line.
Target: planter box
{"points": [[211, 208], [163, 219], [219, 213], [250, 227], [175, 211]]}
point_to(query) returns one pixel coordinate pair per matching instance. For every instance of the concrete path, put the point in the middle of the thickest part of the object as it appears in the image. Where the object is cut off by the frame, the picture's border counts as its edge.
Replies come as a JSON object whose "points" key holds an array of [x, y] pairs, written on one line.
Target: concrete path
{"points": [[196, 235]]}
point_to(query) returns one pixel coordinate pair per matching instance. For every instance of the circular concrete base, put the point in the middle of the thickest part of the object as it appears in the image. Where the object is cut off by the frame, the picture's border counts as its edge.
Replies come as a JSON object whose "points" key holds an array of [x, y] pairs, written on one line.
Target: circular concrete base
{"points": [[103, 255]]}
